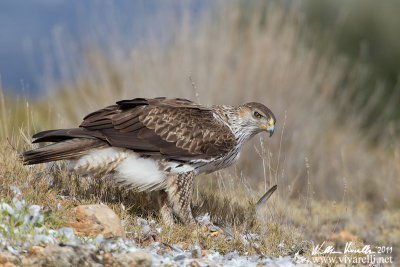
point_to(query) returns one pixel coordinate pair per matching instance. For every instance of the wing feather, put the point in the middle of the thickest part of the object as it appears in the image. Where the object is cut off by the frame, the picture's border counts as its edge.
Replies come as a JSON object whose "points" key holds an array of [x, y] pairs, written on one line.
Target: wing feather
{"points": [[174, 128]]}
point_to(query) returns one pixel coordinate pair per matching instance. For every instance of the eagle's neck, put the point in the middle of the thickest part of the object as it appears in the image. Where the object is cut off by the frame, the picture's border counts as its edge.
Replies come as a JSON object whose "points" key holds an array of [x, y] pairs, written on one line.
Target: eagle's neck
{"points": [[230, 115]]}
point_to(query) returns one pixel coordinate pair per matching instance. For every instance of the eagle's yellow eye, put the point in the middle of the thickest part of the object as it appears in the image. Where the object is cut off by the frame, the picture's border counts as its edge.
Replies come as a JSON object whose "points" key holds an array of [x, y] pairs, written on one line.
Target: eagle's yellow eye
{"points": [[257, 115]]}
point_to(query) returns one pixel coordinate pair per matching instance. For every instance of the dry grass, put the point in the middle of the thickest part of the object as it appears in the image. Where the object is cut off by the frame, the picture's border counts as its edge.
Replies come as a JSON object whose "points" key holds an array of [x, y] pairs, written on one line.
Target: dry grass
{"points": [[330, 178]]}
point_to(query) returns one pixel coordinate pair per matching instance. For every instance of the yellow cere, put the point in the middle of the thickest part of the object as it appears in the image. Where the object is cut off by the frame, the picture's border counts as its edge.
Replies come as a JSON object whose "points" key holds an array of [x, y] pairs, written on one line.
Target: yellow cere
{"points": [[271, 122]]}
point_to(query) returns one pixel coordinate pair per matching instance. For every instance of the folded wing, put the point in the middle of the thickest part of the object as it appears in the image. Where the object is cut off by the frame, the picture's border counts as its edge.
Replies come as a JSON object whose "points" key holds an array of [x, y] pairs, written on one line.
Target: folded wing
{"points": [[172, 128]]}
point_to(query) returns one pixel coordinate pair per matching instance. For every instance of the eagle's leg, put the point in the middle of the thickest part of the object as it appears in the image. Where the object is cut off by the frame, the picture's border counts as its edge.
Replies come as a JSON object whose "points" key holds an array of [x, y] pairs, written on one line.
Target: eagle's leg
{"points": [[180, 190], [166, 212]]}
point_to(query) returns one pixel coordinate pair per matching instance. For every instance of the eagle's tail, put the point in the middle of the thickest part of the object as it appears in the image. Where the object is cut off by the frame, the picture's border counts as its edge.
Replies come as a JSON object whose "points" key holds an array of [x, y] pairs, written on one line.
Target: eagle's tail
{"points": [[60, 150]]}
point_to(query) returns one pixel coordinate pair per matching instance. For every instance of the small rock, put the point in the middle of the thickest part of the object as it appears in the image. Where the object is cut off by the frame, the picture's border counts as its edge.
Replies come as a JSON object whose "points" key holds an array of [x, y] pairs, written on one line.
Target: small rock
{"points": [[214, 228], [34, 210], [204, 253], [38, 239], [26, 262], [97, 219], [109, 259], [9, 264], [4, 206], [137, 258], [35, 250], [142, 221], [203, 219], [66, 256], [146, 229], [6, 258], [180, 245], [99, 239], [180, 257], [194, 264], [67, 233], [3, 258]]}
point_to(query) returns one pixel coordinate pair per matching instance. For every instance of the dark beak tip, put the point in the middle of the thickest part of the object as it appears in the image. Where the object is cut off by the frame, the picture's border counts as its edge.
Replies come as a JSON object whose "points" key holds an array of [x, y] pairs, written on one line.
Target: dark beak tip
{"points": [[271, 133]]}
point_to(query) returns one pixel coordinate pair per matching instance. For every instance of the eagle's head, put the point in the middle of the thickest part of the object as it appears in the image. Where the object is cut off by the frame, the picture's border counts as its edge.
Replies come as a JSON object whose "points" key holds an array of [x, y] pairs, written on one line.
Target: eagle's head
{"points": [[257, 118]]}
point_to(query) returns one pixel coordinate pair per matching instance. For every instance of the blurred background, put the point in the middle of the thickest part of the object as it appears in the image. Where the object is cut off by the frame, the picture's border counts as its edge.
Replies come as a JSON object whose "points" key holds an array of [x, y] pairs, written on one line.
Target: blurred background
{"points": [[329, 70]]}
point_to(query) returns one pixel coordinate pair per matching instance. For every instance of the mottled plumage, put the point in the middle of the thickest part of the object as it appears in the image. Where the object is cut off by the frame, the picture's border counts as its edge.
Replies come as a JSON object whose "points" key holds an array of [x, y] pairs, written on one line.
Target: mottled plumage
{"points": [[156, 144]]}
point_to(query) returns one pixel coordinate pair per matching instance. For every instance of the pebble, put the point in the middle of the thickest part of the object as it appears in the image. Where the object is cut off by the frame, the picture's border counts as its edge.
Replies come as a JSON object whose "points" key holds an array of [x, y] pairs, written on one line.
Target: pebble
{"points": [[7, 208], [146, 229], [214, 228], [99, 239], [180, 257], [67, 233], [138, 258]]}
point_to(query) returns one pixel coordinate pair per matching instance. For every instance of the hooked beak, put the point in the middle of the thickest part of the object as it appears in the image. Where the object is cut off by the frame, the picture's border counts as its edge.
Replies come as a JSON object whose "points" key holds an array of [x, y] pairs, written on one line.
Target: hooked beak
{"points": [[271, 129]]}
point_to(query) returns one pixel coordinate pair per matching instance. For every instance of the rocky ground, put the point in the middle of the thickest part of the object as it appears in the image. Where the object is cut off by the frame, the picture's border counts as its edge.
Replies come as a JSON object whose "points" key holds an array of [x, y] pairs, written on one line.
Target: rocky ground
{"points": [[96, 237]]}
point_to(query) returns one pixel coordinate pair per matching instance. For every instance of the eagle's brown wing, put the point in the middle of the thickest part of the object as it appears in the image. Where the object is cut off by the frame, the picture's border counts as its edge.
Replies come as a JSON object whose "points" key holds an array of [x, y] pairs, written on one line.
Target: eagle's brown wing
{"points": [[174, 128]]}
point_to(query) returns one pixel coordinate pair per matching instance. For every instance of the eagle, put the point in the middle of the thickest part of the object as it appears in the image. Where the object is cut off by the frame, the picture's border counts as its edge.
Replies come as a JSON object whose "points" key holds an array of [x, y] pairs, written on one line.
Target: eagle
{"points": [[156, 144]]}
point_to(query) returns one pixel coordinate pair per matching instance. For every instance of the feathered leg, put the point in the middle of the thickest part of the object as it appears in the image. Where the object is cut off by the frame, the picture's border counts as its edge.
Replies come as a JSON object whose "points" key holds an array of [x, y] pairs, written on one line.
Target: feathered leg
{"points": [[165, 208], [180, 190]]}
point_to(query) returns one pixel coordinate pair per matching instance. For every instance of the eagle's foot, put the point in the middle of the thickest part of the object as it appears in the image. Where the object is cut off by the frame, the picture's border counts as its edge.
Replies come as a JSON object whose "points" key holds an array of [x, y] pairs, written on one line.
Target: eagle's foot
{"points": [[170, 210]]}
